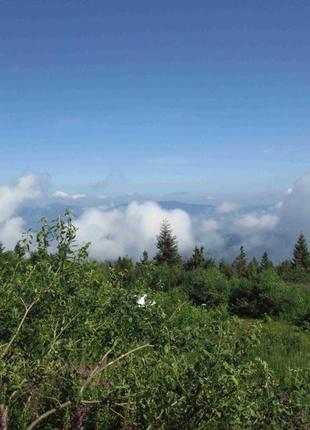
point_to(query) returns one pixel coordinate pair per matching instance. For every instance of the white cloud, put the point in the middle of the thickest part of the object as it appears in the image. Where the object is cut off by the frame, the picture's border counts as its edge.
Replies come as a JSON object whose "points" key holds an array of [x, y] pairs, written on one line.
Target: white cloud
{"points": [[11, 199], [227, 207], [294, 218], [60, 195], [11, 231], [209, 225], [256, 222], [63, 195], [132, 229], [78, 196]]}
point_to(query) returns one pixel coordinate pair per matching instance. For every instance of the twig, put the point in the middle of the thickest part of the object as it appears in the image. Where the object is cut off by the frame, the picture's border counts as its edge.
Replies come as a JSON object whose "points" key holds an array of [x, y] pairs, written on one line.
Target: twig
{"points": [[57, 336], [28, 309], [101, 367], [47, 414], [4, 421]]}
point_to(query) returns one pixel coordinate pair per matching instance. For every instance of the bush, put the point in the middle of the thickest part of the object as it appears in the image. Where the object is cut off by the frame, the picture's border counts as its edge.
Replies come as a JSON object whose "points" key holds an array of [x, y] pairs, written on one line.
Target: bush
{"points": [[208, 287], [77, 350], [268, 294]]}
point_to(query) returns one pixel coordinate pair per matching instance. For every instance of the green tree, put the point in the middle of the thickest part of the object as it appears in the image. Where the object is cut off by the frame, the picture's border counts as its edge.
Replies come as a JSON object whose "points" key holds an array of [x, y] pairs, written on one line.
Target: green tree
{"points": [[167, 246], [252, 269], [225, 268], [301, 258], [265, 262], [197, 260], [240, 263]]}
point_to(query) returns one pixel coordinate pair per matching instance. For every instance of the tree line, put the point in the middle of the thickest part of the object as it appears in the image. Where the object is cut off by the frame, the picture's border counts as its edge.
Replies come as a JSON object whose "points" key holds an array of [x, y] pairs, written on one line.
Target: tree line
{"points": [[298, 268]]}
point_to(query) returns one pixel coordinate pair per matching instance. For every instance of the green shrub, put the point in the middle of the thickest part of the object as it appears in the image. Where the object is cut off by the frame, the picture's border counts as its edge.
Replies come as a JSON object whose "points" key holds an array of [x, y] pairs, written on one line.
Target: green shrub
{"points": [[77, 350], [208, 287], [268, 294]]}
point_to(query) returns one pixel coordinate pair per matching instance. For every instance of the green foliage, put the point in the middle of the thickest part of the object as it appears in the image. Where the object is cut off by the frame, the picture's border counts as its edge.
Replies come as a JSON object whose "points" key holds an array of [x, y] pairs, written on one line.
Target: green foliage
{"points": [[79, 350], [197, 260], [252, 269], [301, 258], [240, 264], [265, 263], [208, 287], [268, 294], [145, 258], [226, 269], [167, 246]]}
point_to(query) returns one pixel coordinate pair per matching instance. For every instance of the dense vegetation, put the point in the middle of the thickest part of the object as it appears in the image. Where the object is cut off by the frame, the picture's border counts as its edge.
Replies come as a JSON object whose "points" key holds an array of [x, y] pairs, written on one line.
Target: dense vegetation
{"points": [[157, 344]]}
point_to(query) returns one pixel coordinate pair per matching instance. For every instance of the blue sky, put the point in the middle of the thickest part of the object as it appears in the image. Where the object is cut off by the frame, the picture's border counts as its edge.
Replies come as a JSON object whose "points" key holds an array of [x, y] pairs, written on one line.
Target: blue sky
{"points": [[155, 96]]}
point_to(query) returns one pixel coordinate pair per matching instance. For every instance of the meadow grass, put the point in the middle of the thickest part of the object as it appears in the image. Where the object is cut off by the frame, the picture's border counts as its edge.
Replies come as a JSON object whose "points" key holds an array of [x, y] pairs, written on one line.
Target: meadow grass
{"points": [[283, 346]]}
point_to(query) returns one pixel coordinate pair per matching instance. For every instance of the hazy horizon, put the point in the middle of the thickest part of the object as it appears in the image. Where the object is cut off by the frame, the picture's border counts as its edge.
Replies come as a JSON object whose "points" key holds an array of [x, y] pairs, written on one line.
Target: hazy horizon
{"points": [[131, 112]]}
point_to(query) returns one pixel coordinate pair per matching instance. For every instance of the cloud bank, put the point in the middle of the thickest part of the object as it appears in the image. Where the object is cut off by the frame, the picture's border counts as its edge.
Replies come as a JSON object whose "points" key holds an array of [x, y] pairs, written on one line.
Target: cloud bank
{"points": [[11, 199], [129, 229], [132, 229]]}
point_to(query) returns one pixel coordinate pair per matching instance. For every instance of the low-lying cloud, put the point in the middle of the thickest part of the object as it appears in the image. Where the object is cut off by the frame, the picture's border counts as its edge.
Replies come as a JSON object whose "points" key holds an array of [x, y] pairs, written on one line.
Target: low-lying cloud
{"points": [[63, 195], [11, 199], [132, 228]]}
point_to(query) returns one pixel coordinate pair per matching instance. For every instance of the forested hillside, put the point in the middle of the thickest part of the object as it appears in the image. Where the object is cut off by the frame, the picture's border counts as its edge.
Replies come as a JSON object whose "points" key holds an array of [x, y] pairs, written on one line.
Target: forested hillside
{"points": [[161, 343]]}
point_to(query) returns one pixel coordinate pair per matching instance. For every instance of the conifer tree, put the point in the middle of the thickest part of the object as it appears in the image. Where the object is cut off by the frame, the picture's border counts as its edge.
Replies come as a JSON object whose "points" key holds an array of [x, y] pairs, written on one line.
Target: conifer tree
{"points": [[240, 263], [265, 262], [167, 246], [225, 268], [301, 254], [196, 260], [252, 269]]}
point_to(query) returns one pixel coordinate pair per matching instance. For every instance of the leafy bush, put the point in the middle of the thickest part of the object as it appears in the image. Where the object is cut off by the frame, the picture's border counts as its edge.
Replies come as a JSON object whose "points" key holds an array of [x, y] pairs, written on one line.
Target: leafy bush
{"points": [[78, 351], [268, 294], [208, 287]]}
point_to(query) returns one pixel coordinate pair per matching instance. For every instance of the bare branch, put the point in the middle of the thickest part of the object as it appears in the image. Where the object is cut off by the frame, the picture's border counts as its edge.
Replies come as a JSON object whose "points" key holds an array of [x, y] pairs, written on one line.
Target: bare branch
{"points": [[4, 421], [57, 336], [102, 365], [47, 414], [28, 309]]}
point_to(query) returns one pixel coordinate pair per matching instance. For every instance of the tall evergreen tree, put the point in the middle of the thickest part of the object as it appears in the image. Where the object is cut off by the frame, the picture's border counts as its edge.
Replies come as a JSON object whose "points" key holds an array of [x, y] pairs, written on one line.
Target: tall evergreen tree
{"points": [[167, 246], [301, 254], [196, 260], [265, 262], [240, 263]]}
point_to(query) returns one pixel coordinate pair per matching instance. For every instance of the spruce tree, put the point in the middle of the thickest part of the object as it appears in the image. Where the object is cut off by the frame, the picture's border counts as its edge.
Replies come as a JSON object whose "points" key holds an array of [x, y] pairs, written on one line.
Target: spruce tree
{"points": [[301, 258], [196, 260], [265, 262], [167, 246], [240, 263]]}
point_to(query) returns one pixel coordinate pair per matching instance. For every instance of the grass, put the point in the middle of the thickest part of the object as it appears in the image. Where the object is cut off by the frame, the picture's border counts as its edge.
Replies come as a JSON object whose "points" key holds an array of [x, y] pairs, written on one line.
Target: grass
{"points": [[283, 346]]}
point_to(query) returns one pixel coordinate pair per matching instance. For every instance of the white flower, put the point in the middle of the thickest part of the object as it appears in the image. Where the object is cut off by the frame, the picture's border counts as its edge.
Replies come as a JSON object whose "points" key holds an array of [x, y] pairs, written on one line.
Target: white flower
{"points": [[142, 301]]}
